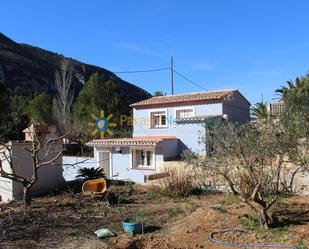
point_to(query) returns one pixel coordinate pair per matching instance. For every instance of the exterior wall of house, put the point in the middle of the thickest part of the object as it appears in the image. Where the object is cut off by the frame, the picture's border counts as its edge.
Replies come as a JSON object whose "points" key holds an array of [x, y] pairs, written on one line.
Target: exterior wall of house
{"points": [[142, 119], [71, 165], [50, 176], [121, 164], [189, 135], [168, 148], [237, 109]]}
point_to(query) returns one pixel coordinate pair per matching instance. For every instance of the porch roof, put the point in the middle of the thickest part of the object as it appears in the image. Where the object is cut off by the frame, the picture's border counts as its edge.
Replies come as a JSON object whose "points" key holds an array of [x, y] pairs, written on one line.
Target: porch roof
{"points": [[198, 119], [133, 141]]}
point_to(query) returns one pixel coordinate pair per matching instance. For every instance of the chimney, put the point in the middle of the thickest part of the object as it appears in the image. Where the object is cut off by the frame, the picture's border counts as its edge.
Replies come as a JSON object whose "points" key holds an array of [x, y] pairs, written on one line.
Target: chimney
{"points": [[41, 131]]}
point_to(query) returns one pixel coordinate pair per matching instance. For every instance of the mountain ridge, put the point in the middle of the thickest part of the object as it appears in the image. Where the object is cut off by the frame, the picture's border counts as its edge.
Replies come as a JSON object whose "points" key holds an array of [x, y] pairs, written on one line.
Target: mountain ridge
{"points": [[32, 68]]}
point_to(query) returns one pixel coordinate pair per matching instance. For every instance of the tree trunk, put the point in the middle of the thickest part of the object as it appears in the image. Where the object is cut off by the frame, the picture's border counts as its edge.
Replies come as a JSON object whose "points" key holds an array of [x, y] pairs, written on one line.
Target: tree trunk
{"points": [[263, 218], [27, 197]]}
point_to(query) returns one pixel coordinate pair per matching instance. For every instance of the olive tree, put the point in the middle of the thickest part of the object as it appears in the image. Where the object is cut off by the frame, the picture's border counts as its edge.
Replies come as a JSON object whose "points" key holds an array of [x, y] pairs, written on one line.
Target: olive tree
{"points": [[251, 159], [295, 124]]}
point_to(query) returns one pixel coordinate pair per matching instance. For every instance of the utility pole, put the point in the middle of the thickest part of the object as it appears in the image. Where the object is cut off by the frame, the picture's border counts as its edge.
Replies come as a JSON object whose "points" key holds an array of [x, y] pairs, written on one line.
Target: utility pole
{"points": [[172, 74]]}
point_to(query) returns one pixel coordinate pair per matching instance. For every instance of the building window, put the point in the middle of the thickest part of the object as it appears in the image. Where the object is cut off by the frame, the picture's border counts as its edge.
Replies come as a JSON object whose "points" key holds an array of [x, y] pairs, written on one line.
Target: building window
{"points": [[142, 159], [158, 119], [184, 113]]}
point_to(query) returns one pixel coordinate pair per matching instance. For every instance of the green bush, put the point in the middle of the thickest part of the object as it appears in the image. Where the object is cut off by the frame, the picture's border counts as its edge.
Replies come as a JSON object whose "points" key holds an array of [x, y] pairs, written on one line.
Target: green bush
{"points": [[91, 173], [301, 245], [136, 216], [39, 108], [249, 221]]}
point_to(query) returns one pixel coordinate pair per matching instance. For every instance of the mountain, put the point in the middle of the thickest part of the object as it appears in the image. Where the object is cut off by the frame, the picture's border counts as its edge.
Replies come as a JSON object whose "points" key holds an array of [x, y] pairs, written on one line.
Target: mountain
{"points": [[33, 69]]}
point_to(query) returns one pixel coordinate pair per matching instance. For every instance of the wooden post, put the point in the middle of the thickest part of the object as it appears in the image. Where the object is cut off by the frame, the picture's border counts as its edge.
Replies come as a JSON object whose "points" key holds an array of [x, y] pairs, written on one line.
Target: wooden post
{"points": [[172, 74]]}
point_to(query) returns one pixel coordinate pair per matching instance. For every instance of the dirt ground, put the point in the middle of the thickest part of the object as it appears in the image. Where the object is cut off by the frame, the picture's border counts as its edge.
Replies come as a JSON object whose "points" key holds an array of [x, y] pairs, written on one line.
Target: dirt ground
{"points": [[68, 221]]}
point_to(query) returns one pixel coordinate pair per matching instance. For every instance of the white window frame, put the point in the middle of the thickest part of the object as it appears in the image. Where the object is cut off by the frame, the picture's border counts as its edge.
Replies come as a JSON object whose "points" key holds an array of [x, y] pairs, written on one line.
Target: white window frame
{"points": [[158, 110], [134, 160], [184, 108]]}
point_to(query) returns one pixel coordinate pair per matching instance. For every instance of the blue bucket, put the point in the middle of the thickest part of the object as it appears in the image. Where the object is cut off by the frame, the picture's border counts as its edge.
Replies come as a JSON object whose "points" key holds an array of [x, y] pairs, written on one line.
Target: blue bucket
{"points": [[133, 227]]}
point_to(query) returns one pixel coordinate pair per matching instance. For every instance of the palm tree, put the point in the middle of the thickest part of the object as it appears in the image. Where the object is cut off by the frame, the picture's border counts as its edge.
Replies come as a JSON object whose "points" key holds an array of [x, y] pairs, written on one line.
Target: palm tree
{"points": [[259, 111], [297, 87], [91, 173], [158, 93]]}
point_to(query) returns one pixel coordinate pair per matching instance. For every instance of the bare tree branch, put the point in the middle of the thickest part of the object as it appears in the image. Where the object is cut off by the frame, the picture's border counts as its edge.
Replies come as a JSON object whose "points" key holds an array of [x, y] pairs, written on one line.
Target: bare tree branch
{"points": [[37, 148], [64, 100]]}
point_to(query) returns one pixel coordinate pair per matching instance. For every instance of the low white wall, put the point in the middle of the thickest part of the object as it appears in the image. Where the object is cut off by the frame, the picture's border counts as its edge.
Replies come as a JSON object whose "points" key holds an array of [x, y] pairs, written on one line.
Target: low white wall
{"points": [[50, 176], [71, 165], [6, 185], [6, 189]]}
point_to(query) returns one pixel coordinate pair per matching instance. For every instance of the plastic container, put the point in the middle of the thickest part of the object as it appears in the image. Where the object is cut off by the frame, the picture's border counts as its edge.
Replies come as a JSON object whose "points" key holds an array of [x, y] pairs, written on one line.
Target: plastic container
{"points": [[94, 187], [133, 228]]}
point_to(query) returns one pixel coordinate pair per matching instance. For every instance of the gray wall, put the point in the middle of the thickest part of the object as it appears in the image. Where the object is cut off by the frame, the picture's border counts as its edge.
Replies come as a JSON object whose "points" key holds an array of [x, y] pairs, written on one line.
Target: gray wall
{"points": [[168, 148], [237, 108]]}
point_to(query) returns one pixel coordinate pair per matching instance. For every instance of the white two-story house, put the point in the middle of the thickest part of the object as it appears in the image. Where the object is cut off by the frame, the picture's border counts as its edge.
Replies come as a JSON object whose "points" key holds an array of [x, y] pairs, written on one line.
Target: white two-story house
{"points": [[163, 128]]}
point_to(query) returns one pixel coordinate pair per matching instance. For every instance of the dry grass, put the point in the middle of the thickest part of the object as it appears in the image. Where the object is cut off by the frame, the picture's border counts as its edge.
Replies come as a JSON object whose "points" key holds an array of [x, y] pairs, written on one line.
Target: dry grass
{"points": [[179, 183], [65, 221]]}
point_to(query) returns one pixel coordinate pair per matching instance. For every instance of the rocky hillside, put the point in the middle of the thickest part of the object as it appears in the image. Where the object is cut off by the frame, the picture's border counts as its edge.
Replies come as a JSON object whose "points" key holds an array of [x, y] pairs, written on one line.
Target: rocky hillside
{"points": [[33, 69]]}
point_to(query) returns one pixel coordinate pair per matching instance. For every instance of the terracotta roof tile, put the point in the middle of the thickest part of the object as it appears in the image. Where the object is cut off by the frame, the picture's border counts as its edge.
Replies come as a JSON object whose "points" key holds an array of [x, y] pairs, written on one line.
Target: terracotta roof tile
{"points": [[134, 141], [202, 97]]}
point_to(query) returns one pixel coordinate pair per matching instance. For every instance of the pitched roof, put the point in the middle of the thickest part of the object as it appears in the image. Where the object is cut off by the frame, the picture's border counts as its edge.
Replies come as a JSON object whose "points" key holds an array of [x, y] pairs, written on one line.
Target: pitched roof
{"points": [[200, 97], [133, 141]]}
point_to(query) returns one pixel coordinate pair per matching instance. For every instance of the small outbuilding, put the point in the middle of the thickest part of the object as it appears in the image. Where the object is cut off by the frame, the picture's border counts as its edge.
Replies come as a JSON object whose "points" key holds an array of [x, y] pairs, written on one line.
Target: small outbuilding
{"points": [[15, 153]]}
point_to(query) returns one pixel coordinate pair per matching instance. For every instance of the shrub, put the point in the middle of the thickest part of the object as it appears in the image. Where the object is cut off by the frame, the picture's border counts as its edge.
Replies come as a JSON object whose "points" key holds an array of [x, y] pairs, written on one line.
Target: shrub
{"points": [[301, 245], [249, 221], [179, 183], [120, 194], [90, 173], [136, 216]]}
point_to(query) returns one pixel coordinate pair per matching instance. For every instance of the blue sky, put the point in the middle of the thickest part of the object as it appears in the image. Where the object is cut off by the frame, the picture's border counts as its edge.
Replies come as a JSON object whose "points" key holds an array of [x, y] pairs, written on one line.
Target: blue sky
{"points": [[254, 46]]}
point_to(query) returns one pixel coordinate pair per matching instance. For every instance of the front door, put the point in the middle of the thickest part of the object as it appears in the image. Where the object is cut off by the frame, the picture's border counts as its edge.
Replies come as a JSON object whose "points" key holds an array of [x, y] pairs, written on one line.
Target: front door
{"points": [[104, 162]]}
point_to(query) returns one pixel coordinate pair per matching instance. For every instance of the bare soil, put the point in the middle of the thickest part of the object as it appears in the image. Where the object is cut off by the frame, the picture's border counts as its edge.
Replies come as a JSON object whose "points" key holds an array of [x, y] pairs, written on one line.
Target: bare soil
{"points": [[69, 221]]}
